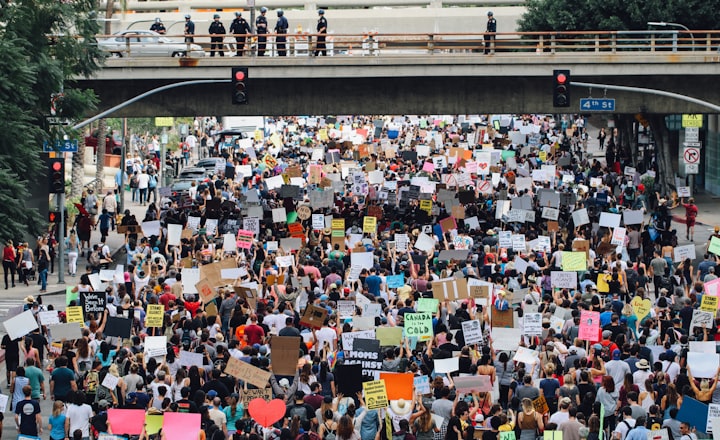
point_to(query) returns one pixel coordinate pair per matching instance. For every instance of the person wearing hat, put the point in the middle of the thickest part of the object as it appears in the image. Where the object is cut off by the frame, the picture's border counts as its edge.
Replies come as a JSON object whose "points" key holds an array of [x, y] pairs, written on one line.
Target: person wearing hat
{"points": [[239, 26], [281, 28], [189, 31], [158, 26], [490, 34], [261, 27], [216, 43], [321, 29]]}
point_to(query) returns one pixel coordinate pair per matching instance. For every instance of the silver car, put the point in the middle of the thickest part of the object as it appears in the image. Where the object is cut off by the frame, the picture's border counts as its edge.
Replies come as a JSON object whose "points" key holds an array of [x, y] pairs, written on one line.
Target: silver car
{"points": [[139, 43]]}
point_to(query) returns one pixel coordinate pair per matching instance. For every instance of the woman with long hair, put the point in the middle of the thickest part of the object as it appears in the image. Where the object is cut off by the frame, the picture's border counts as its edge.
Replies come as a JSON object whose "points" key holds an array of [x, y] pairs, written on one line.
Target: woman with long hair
{"points": [[626, 387], [9, 265], [196, 380], [530, 422], [346, 429], [424, 425], [18, 381], [328, 425], [233, 413], [326, 379], [56, 422], [181, 380], [504, 368], [31, 352], [105, 355], [84, 359], [670, 400], [72, 244], [609, 398], [593, 425]]}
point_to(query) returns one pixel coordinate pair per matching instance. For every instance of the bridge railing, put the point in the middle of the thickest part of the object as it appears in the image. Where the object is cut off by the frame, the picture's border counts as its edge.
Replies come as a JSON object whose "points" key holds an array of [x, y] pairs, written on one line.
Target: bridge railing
{"points": [[377, 44]]}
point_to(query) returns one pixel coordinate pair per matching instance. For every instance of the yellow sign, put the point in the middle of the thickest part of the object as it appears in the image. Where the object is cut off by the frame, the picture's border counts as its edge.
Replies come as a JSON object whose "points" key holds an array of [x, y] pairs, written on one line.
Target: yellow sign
{"points": [[338, 223], [602, 282], [164, 121], [258, 135], [369, 224], [709, 303], [543, 156], [270, 161], [426, 205], [155, 315], [322, 134], [74, 314], [375, 394], [276, 140], [692, 121], [574, 261]]}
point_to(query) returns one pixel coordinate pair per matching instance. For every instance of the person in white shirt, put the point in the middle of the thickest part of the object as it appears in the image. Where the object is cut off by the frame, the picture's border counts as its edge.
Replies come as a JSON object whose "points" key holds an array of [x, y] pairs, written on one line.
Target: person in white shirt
{"points": [[563, 415], [325, 334], [143, 184], [626, 424]]}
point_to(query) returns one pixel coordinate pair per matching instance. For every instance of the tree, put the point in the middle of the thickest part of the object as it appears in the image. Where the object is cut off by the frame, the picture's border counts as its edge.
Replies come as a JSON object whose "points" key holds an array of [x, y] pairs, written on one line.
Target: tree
{"points": [[100, 159], [43, 44]]}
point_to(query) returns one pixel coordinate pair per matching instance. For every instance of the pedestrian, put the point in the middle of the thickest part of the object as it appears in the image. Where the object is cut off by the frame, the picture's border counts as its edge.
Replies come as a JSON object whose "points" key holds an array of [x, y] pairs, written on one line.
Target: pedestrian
{"points": [[216, 43], [110, 204], [601, 138], [281, 28], [189, 29], [73, 250], [158, 26], [490, 34], [261, 27], [321, 29], [143, 184], [691, 212], [43, 264], [9, 257], [239, 26], [56, 422], [28, 420]]}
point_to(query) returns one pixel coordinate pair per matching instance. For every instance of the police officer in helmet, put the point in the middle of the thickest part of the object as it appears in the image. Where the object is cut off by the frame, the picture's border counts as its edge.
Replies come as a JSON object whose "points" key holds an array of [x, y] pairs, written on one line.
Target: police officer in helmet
{"points": [[261, 25], [239, 26], [189, 29], [490, 34], [158, 27], [321, 29], [281, 28], [216, 43]]}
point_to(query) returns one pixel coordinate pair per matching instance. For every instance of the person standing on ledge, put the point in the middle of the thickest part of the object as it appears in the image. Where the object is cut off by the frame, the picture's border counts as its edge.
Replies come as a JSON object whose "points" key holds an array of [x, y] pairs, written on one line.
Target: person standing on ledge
{"points": [[490, 34], [189, 29], [321, 29], [239, 28], [158, 26]]}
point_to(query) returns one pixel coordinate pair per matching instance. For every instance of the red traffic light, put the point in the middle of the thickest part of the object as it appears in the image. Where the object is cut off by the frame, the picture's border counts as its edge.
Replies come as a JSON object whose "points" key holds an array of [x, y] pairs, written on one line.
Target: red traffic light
{"points": [[52, 217], [561, 78], [239, 75], [56, 166]]}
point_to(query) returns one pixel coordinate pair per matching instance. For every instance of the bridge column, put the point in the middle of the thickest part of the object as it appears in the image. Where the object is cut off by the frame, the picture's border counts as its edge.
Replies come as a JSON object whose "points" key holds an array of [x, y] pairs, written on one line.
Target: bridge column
{"points": [[711, 154]]}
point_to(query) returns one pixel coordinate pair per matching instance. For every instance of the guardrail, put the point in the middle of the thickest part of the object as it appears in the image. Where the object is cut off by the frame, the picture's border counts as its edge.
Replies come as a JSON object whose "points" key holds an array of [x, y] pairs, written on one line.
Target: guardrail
{"points": [[376, 44]]}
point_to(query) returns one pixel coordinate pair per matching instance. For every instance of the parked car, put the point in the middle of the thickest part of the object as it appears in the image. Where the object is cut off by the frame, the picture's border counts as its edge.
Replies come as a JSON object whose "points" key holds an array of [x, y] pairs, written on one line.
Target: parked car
{"points": [[113, 145], [192, 173], [211, 164], [139, 43]]}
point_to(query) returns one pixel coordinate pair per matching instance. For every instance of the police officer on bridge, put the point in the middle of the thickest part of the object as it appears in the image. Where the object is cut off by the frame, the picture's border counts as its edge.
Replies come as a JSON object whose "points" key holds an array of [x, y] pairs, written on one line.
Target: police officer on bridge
{"points": [[239, 26], [189, 29], [216, 43], [321, 29], [490, 34], [158, 27], [281, 28], [261, 24]]}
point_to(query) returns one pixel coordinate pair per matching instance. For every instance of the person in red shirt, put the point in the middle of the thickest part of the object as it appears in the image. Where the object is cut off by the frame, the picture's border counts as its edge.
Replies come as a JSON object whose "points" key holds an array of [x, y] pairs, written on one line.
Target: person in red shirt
{"points": [[254, 334], [9, 262], [691, 212], [166, 297]]}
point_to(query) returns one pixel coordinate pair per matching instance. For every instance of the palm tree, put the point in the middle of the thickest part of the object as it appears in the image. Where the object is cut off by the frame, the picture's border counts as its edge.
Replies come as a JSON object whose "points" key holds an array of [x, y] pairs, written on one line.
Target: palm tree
{"points": [[101, 145]]}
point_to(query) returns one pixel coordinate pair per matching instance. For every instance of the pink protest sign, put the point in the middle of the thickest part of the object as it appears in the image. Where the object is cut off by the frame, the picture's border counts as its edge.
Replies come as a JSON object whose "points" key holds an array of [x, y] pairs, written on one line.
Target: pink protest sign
{"points": [[589, 326], [180, 425], [428, 167], [245, 239], [712, 287], [129, 421]]}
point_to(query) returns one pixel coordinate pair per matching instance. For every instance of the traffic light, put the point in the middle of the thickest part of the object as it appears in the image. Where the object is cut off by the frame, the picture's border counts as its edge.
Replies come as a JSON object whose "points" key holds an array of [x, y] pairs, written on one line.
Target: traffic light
{"points": [[56, 175], [53, 217], [561, 90], [239, 84]]}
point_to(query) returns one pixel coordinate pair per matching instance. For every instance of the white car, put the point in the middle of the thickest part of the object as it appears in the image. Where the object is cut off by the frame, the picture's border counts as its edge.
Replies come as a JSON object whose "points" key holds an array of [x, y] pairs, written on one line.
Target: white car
{"points": [[138, 43]]}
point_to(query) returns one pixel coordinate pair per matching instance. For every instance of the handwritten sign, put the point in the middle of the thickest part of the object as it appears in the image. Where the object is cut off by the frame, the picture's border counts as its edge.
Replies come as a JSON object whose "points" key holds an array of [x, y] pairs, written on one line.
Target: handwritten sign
{"points": [[155, 315], [589, 326], [369, 224], [248, 373], [74, 314], [419, 324], [574, 261], [375, 394], [563, 280]]}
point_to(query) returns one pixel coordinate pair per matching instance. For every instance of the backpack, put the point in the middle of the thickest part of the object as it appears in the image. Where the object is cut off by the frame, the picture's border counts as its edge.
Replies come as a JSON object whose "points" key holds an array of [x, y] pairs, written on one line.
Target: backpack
{"points": [[329, 434], [299, 411], [152, 183]]}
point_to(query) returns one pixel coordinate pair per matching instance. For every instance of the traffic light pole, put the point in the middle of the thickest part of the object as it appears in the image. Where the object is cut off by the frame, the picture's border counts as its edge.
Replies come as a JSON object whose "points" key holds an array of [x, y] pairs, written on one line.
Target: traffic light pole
{"points": [[61, 237]]}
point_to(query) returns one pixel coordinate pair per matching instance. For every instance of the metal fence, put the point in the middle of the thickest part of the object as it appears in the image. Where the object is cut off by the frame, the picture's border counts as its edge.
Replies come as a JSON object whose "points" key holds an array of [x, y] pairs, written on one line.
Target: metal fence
{"points": [[379, 44]]}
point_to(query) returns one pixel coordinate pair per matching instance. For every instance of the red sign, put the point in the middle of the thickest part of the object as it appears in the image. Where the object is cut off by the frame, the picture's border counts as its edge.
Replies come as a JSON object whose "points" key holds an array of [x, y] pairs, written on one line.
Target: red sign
{"points": [[589, 326]]}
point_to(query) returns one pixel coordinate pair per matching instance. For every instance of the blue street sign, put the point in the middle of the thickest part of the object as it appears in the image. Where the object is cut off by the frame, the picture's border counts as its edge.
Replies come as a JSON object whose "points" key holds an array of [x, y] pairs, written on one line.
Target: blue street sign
{"points": [[61, 146], [597, 105]]}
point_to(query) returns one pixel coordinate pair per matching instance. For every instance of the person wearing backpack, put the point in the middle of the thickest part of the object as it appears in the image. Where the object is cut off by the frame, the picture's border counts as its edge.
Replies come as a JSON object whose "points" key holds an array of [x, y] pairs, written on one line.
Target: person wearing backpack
{"points": [[299, 408], [152, 187], [328, 428]]}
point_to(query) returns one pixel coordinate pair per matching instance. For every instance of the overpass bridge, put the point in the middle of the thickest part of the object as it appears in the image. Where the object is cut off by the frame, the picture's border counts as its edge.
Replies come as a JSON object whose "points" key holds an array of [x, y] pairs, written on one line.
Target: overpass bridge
{"points": [[426, 73]]}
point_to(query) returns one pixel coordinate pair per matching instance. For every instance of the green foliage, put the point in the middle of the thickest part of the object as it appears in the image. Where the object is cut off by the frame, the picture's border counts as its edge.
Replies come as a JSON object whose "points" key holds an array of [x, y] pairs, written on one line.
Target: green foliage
{"points": [[568, 15], [43, 44]]}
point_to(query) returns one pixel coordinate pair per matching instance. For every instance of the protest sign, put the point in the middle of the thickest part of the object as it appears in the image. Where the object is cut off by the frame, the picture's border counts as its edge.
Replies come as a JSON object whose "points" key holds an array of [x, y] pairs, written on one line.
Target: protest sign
{"points": [[472, 331], [375, 394], [155, 315], [419, 324], [589, 326], [563, 280]]}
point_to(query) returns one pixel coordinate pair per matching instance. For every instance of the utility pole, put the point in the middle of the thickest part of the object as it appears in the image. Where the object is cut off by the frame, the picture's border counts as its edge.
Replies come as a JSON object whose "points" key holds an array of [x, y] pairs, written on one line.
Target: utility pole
{"points": [[61, 234], [123, 159]]}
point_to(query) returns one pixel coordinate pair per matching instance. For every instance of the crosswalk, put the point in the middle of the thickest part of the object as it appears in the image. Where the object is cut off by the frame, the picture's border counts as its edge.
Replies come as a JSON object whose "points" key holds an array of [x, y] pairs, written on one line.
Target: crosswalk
{"points": [[10, 307]]}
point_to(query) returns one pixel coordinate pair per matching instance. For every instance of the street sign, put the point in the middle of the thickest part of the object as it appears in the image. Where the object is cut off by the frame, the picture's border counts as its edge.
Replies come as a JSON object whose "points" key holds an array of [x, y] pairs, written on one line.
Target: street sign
{"points": [[693, 144], [691, 120], [61, 146], [692, 134], [597, 105], [691, 155], [692, 168], [164, 121]]}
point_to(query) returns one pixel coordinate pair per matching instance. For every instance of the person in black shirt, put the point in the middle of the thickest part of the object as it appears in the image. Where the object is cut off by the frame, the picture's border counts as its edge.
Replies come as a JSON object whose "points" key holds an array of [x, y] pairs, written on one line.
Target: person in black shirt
{"points": [[158, 27], [185, 405], [262, 29], [12, 354], [321, 29], [238, 27], [490, 33]]}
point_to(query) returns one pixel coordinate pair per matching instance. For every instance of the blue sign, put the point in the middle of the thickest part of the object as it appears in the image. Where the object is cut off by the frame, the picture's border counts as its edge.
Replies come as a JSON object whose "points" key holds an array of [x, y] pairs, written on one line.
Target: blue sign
{"points": [[61, 146], [597, 105]]}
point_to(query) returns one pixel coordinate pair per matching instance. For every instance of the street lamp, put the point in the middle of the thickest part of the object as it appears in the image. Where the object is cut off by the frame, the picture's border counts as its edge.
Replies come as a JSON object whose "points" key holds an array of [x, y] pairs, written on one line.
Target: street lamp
{"points": [[681, 26]]}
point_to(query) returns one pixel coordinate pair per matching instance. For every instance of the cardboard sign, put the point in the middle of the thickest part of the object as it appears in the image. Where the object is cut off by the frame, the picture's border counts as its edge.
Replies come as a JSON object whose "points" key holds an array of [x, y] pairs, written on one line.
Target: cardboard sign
{"points": [[285, 353], [314, 316], [574, 261], [248, 373], [206, 291], [255, 393], [709, 303], [450, 289], [541, 405], [72, 314], [388, 336], [503, 319], [563, 280], [155, 315]]}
